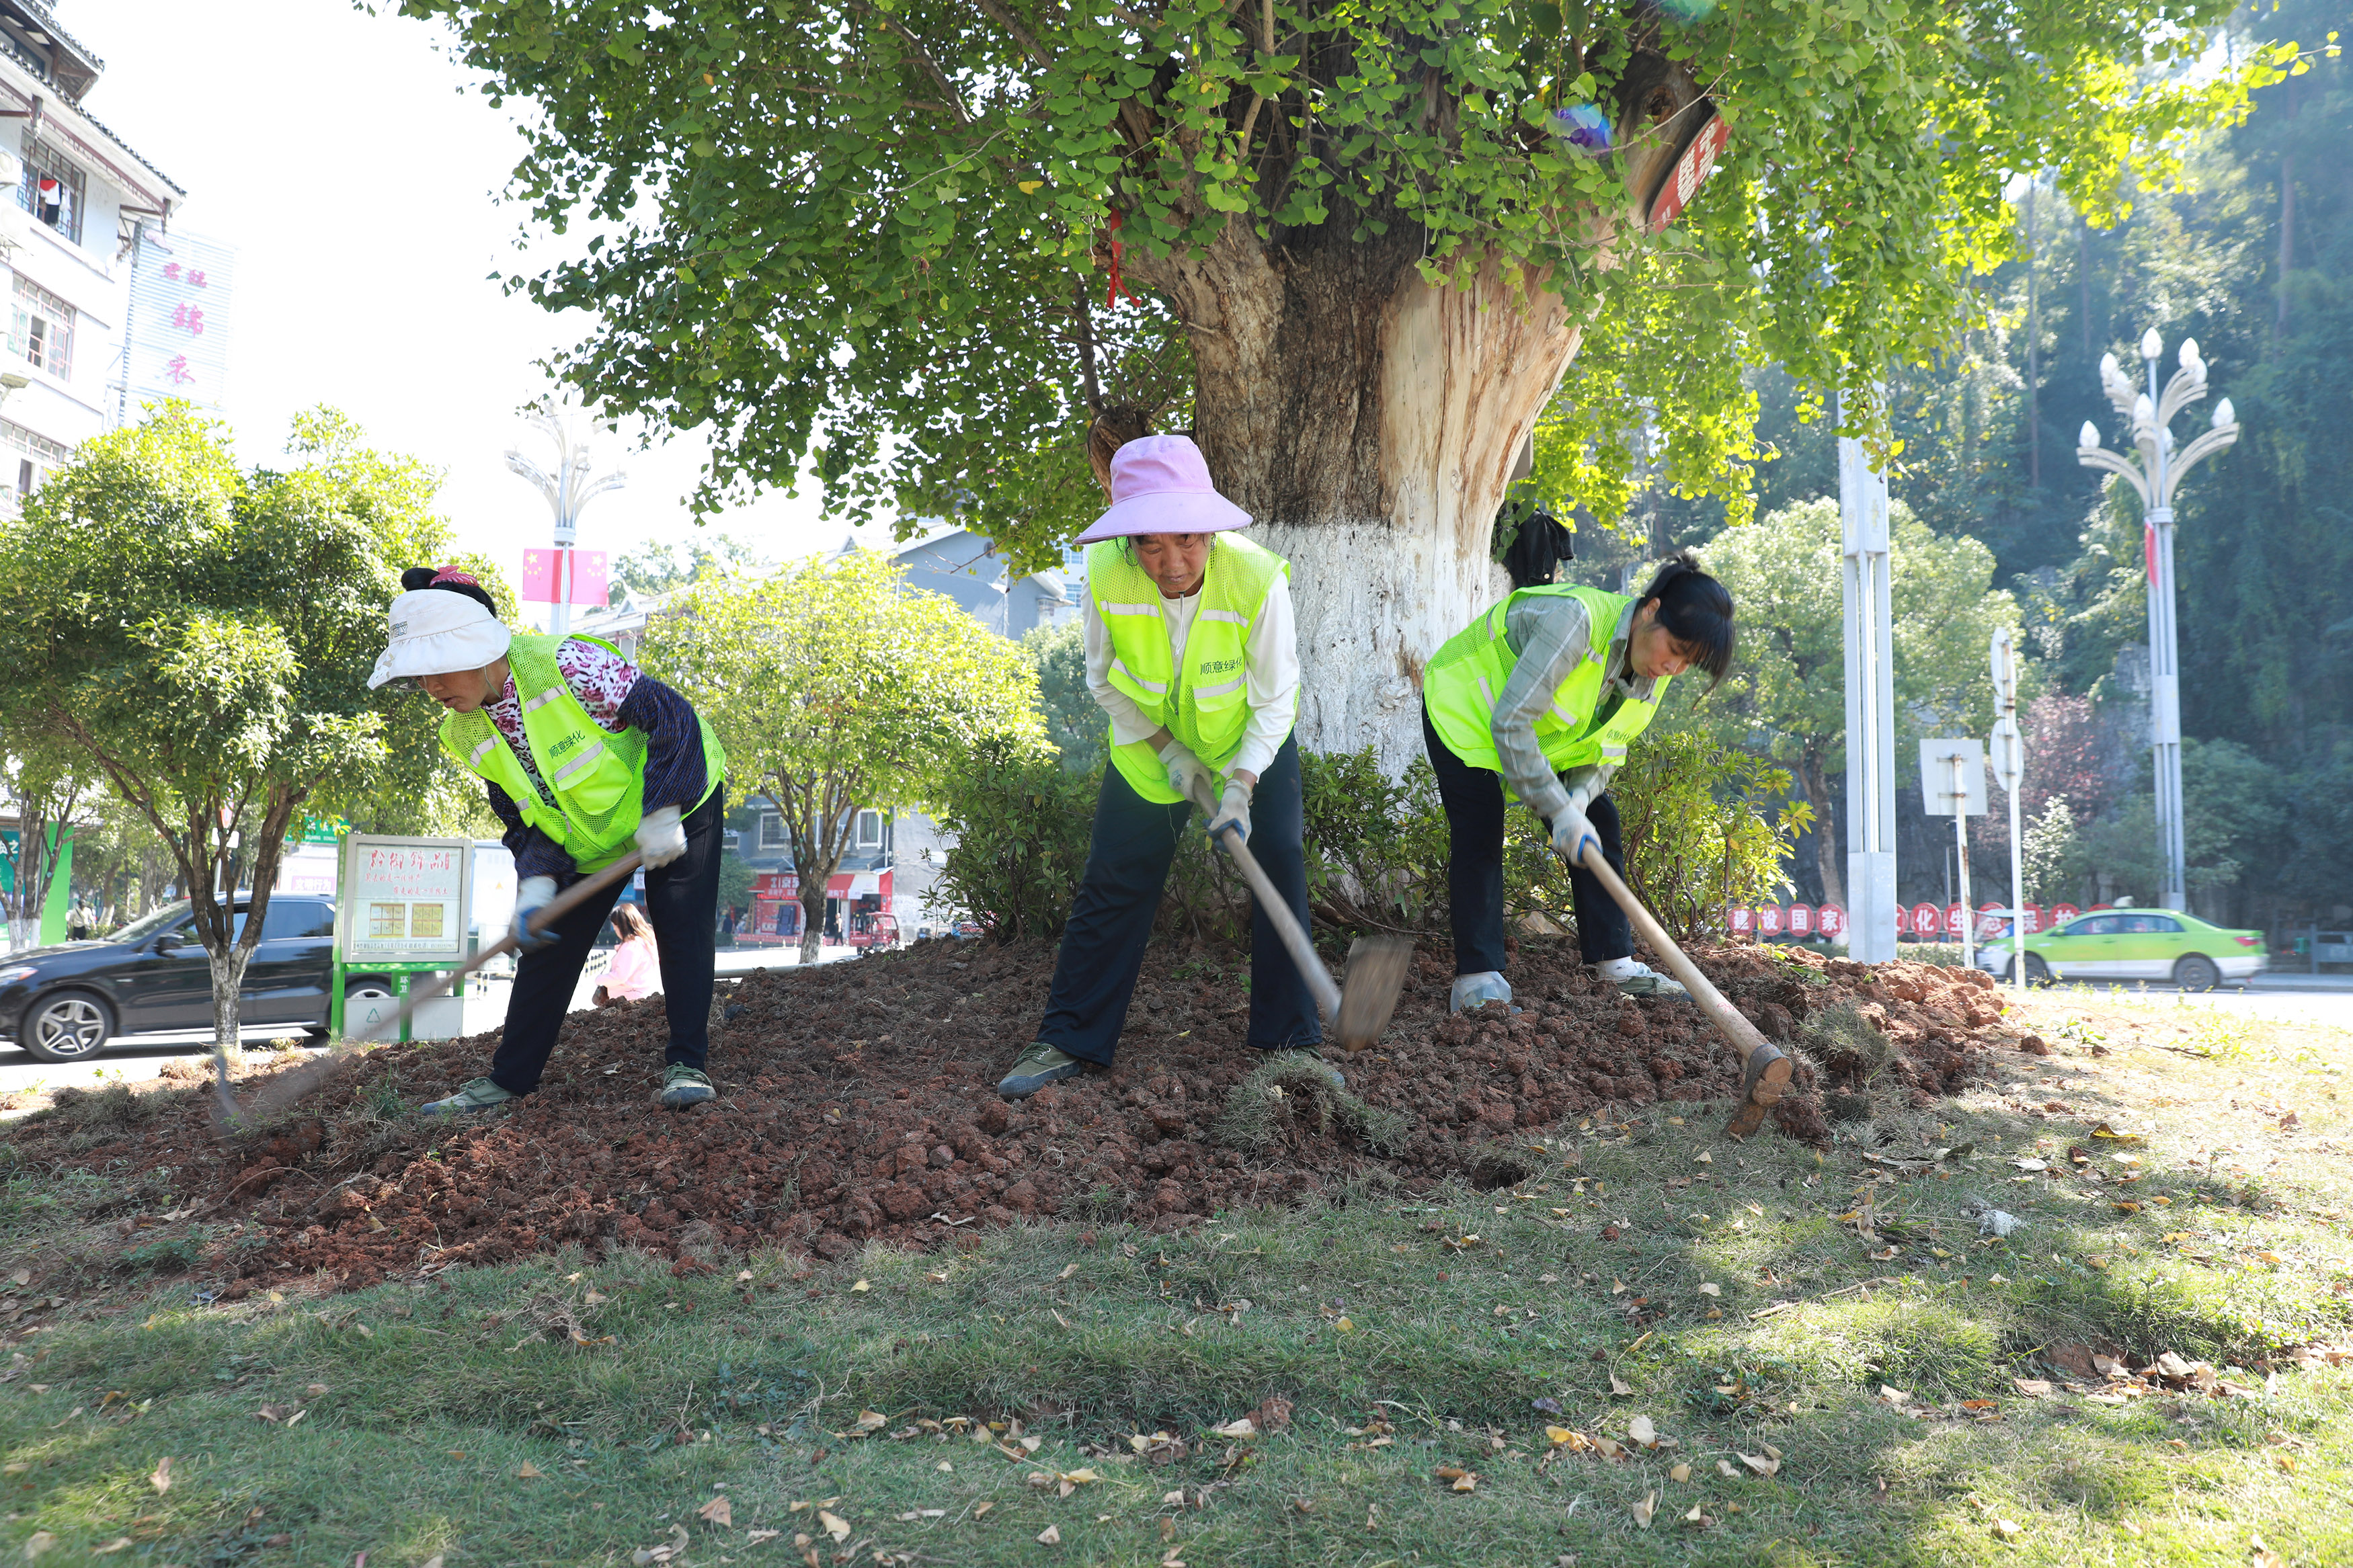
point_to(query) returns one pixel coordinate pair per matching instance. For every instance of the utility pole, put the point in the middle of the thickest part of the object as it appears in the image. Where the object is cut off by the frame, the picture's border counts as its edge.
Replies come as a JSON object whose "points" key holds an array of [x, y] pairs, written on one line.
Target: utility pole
{"points": [[2009, 767], [2154, 478], [1870, 706], [567, 490]]}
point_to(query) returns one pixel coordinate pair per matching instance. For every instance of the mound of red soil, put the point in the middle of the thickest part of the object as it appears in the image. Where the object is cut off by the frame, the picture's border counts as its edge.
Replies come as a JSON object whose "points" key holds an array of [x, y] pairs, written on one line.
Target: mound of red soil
{"points": [[859, 1102]]}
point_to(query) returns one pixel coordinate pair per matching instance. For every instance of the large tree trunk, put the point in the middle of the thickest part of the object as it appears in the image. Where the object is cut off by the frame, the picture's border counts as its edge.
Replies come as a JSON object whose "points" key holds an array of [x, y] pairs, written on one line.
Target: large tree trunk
{"points": [[812, 919], [1368, 421]]}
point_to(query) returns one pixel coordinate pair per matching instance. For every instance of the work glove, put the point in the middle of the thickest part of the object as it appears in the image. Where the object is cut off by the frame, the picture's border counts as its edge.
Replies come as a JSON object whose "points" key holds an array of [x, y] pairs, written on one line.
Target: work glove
{"points": [[1233, 808], [535, 894], [660, 839], [1187, 774], [1572, 831]]}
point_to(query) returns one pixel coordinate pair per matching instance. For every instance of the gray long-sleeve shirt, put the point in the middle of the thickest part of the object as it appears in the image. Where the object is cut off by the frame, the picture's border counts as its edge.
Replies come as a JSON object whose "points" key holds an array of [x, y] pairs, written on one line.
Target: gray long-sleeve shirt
{"points": [[1549, 635]]}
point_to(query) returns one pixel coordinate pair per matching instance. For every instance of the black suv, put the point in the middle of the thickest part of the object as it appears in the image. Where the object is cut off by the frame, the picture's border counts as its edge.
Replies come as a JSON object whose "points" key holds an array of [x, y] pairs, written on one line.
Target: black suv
{"points": [[62, 1004]]}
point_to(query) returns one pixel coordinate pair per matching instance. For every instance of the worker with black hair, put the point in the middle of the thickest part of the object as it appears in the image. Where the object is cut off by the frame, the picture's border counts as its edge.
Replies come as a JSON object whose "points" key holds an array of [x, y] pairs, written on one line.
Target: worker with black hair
{"points": [[1539, 698]]}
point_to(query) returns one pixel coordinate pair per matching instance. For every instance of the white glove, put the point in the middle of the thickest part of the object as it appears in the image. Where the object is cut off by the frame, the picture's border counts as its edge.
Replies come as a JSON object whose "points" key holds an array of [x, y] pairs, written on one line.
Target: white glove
{"points": [[1233, 809], [1572, 831], [535, 894], [1187, 774], [660, 839]]}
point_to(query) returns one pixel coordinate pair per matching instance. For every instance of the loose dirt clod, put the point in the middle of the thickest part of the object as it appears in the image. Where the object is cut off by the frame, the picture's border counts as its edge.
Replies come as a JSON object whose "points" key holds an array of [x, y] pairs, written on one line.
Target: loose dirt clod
{"points": [[859, 1103]]}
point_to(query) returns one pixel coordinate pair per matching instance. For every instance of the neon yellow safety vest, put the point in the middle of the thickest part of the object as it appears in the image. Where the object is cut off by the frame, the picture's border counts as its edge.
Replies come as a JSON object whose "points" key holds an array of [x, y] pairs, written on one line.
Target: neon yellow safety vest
{"points": [[1206, 701], [1463, 680], [597, 777]]}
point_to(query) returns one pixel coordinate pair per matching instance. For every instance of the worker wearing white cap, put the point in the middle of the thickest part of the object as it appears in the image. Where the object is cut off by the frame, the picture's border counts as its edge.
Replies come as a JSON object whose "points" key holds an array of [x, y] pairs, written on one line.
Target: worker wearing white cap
{"points": [[585, 759], [1192, 655]]}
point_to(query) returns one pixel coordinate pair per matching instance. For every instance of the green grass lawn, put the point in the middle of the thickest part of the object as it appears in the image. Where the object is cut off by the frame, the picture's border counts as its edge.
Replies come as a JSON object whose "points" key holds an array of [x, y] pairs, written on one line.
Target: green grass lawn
{"points": [[952, 1408]]}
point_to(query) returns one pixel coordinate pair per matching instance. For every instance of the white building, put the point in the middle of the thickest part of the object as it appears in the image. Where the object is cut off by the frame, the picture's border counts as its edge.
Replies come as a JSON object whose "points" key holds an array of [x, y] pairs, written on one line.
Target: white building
{"points": [[80, 196]]}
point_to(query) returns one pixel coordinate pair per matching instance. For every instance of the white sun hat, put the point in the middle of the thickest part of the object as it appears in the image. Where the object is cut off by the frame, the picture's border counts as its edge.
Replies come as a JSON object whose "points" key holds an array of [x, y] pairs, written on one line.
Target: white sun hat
{"points": [[437, 632]]}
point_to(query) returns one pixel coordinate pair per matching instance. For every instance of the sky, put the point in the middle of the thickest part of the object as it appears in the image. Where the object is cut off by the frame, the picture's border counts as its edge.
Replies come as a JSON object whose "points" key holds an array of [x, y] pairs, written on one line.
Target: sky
{"points": [[335, 151]]}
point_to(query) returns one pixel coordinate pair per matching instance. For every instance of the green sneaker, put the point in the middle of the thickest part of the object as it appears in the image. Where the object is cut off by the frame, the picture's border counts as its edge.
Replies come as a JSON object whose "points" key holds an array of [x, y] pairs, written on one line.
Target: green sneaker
{"points": [[683, 1086], [1311, 1059], [1036, 1067], [471, 1100]]}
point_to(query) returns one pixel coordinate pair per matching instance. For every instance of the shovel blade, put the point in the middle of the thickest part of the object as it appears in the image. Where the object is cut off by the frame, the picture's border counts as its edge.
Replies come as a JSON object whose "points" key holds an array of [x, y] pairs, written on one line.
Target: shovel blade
{"points": [[1368, 990]]}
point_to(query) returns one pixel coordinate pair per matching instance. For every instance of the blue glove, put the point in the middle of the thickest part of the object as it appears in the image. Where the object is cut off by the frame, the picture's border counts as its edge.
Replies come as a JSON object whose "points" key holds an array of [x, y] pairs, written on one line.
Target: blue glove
{"points": [[1233, 810], [535, 894], [1572, 831]]}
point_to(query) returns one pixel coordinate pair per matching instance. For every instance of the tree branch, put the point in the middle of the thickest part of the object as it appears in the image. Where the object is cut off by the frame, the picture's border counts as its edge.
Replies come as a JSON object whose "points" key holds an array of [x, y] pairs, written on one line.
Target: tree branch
{"points": [[955, 99], [1021, 35]]}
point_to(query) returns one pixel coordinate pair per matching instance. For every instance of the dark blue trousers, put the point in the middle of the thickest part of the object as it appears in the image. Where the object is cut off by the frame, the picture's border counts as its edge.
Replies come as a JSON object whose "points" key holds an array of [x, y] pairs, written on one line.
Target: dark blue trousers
{"points": [[1111, 919]]}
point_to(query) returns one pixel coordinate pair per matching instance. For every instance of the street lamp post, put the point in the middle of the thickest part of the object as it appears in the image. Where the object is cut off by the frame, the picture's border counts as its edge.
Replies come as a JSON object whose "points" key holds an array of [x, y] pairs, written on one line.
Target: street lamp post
{"points": [[2154, 478], [567, 490]]}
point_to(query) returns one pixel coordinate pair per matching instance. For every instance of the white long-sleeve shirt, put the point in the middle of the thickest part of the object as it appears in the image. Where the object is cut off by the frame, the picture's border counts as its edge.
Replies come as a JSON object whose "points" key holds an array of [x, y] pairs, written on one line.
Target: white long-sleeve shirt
{"points": [[1550, 635], [1271, 659]]}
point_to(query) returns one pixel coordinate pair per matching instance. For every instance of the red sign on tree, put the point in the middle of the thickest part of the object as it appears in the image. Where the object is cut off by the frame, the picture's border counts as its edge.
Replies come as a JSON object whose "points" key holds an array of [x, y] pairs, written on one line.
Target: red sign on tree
{"points": [[1830, 920]]}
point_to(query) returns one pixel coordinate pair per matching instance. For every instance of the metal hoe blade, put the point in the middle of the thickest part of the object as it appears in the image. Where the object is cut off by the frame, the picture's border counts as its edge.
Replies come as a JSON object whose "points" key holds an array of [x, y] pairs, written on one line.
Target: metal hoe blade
{"points": [[1369, 987]]}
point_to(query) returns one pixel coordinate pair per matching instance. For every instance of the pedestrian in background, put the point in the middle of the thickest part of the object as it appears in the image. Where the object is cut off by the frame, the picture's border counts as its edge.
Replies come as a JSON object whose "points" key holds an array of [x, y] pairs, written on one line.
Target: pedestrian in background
{"points": [[635, 967]]}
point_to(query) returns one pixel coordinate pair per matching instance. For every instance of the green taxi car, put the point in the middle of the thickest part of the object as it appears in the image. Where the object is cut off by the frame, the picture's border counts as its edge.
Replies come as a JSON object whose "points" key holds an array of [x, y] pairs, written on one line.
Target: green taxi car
{"points": [[2123, 944]]}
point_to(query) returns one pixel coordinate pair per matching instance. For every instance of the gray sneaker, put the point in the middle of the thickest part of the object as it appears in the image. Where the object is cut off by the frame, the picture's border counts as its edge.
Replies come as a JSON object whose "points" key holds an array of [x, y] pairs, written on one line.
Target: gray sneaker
{"points": [[683, 1086], [1036, 1067], [471, 1100], [1648, 982], [1311, 1059]]}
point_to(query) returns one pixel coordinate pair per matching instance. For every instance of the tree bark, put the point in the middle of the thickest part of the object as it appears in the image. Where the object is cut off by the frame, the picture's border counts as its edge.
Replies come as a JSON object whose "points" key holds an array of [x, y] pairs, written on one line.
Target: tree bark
{"points": [[228, 987], [1814, 776], [1367, 421]]}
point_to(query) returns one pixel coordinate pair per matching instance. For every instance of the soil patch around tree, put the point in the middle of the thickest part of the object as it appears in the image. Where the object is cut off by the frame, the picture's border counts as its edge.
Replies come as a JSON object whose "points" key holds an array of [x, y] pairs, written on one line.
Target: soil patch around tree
{"points": [[859, 1103]]}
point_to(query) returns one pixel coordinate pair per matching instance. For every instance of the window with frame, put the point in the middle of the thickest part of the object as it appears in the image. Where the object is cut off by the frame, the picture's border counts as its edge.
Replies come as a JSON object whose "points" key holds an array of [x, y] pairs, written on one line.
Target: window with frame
{"points": [[41, 330], [870, 830], [52, 190], [772, 831]]}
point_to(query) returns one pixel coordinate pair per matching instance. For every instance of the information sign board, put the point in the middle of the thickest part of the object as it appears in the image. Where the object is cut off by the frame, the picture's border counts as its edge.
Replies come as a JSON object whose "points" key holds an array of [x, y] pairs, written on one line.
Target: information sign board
{"points": [[404, 900]]}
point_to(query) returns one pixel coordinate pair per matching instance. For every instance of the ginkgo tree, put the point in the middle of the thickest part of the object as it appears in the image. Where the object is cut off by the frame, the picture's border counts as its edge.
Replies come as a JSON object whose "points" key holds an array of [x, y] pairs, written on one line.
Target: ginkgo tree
{"points": [[836, 689], [1354, 244]]}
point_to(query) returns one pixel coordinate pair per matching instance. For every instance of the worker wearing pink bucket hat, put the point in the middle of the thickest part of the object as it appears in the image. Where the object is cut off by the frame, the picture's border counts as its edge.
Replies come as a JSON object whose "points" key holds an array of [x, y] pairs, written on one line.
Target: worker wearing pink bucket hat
{"points": [[1193, 655]]}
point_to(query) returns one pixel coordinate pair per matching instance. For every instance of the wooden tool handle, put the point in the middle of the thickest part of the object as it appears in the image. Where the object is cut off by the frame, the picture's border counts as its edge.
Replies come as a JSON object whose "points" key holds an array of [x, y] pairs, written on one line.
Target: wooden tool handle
{"points": [[1286, 924], [1711, 1001], [555, 909]]}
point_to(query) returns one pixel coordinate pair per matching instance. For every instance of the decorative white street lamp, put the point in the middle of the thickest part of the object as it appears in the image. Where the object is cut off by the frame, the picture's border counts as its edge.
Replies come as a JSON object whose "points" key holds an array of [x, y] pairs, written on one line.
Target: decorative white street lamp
{"points": [[567, 490], [2154, 478]]}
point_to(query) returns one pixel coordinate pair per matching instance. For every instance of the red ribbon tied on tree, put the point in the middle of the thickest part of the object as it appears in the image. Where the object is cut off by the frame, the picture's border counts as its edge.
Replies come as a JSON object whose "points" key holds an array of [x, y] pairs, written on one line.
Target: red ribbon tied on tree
{"points": [[1118, 287]]}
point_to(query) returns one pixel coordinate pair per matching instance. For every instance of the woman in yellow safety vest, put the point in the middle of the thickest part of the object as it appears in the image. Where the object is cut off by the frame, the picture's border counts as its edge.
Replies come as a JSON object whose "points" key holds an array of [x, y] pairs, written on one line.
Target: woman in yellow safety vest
{"points": [[1192, 654], [1540, 697], [584, 760]]}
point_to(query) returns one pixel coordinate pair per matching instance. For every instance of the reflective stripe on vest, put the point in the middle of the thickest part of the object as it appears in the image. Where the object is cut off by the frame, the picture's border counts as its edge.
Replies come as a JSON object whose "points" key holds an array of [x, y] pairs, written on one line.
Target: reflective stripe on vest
{"points": [[596, 777], [1200, 699], [1461, 680]]}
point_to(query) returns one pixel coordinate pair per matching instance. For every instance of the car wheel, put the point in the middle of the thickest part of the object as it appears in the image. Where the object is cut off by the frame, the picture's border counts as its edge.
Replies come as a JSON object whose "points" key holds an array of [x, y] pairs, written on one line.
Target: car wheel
{"points": [[2197, 973], [2037, 971], [67, 1026]]}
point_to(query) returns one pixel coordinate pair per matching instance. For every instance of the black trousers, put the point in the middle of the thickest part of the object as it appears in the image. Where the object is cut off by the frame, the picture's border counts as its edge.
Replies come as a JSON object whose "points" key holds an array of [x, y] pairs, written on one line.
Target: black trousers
{"points": [[681, 903], [1111, 919], [1473, 799]]}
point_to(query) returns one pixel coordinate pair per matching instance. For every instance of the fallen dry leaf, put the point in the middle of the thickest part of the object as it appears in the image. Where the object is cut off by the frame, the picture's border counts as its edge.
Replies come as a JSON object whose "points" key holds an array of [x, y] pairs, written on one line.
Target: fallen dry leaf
{"points": [[1618, 1385], [1241, 1426], [1762, 1466], [833, 1525], [1642, 1432], [718, 1511], [1680, 1473], [1710, 1289], [756, 1536], [1050, 1536], [1726, 1468], [112, 1547], [41, 1541], [1645, 1509], [161, 1479], [2005, 1527], [530, 1472], [860, 1287], [980, 1508]]}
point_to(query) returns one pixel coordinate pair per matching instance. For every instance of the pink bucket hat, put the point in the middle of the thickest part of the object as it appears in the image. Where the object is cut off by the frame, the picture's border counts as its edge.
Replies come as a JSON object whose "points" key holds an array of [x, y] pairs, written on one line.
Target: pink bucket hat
{"points": [[1160, 484]]}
